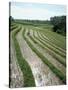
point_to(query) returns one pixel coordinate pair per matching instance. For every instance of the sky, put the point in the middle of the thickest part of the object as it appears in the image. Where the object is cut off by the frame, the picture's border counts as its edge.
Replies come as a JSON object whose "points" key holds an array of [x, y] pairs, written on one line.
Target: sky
{"points": [[36, 11]]}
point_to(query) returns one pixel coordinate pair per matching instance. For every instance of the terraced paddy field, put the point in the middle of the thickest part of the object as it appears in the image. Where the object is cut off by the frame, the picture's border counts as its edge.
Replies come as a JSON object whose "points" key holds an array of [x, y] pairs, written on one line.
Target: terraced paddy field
{"points": [[37, 56]]}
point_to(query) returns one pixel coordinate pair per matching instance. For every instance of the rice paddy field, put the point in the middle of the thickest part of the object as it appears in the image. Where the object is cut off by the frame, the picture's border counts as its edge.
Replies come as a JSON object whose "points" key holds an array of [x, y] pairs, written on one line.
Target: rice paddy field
{"points": [[37, 56]]}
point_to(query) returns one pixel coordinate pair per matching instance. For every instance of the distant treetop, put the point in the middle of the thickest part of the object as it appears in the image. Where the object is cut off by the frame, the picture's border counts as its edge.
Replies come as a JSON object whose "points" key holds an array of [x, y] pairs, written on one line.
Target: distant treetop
{"points": [[11, 18]]}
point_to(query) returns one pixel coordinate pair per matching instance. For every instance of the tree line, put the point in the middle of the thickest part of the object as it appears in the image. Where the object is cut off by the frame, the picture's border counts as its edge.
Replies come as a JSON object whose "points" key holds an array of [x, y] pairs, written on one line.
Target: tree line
{"points": [[58, 22]]}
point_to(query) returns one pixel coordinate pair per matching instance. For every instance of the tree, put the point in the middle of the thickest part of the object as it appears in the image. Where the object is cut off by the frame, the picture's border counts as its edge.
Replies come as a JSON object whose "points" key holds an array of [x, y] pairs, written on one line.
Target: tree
{"points": [[59, 23], [11, 18]]}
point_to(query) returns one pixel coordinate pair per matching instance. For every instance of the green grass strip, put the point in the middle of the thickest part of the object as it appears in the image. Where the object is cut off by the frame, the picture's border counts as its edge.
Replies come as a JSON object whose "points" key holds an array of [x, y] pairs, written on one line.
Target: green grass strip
{"points": [[50, 65], [54, 37], [13, 27], [12, 24], [60, 59], [52, 47], [59, 42], [25, 68], [49, 39]]}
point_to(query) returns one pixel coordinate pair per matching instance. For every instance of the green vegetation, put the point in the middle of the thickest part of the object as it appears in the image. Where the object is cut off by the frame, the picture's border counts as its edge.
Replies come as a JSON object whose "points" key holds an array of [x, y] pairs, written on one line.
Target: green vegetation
{"points": [[33, 22], [13, 27], [55, 38], [49, 42], [43, 34], [59, 23], [50, 65], [49, 46], [25, 68], [60, 59]]}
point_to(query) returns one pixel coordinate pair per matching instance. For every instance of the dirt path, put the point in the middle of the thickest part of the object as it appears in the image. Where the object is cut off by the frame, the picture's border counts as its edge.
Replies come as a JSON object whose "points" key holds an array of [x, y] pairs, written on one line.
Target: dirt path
{"points": [[16, 74], [42, 74]]}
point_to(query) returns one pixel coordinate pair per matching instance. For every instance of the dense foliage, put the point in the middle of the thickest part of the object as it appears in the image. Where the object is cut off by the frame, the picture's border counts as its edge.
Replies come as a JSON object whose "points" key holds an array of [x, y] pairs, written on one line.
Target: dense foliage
{"points": [[59, 23]]}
